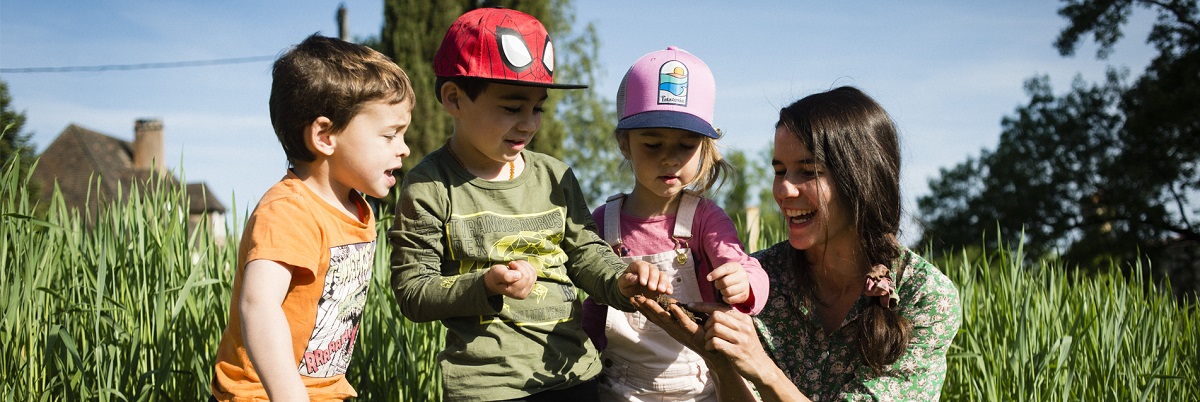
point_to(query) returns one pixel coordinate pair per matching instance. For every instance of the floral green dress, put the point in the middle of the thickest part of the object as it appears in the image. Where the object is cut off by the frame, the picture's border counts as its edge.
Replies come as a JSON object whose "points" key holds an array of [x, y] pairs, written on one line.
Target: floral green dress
{"points": [[829, 367]]}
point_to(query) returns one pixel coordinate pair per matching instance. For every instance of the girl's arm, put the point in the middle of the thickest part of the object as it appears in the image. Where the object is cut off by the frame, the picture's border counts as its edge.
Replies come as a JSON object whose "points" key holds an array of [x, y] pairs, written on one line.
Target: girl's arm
{"points": [[718, 241], [266, 332]]}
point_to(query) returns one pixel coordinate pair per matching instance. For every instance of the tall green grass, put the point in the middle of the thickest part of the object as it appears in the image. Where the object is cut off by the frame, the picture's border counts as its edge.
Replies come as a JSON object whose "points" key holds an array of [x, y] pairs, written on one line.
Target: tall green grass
{"points": [[118, 312], [132, 309], [1048, 333]]}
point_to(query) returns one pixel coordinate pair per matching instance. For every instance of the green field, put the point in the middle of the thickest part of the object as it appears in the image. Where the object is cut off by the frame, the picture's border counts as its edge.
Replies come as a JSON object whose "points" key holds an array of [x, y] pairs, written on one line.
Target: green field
{"points": [[133, 309]]}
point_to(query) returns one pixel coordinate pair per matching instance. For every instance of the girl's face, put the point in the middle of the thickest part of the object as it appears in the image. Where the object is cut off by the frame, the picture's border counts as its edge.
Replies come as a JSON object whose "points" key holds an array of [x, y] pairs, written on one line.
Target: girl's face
{"points": [[807, 196], [664, 160]]}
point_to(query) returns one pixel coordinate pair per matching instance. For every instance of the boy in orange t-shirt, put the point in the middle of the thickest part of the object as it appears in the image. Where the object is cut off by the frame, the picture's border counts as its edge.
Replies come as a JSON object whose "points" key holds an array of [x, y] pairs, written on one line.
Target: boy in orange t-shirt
{"points": [[340, 111]]}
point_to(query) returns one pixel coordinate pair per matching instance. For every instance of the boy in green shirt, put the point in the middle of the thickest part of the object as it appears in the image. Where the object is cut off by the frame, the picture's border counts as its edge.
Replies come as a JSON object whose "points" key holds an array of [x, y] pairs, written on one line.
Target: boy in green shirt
{"points": [[495, 240]]}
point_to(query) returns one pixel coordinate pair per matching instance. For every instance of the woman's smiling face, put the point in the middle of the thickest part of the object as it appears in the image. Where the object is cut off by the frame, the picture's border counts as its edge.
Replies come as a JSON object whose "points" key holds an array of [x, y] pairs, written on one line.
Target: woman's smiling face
{"points": [[806, 195]]}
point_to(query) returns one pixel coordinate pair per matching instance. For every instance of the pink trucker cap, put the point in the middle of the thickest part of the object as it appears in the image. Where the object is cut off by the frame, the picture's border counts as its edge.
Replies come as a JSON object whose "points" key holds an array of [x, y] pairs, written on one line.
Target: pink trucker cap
{"points": [[668, 89], [498, 44]]}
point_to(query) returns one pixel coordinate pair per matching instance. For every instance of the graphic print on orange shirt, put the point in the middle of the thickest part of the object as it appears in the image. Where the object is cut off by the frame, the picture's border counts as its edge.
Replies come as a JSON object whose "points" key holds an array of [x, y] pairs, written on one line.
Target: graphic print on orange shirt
{"points": [[339, 311]]}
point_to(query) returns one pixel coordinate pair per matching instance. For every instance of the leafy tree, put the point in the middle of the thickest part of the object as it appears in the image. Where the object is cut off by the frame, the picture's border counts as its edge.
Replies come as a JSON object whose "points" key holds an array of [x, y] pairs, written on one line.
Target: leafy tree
{"points": [[750, 187], [589, 120], [1105, 170], [1040, 177], [412, 32], [741, 190], [13, 144], [734, 194]]}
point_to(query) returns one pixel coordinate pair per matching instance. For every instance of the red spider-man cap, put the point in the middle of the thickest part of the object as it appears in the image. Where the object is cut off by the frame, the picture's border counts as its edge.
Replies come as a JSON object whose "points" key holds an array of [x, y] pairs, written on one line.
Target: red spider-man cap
{"points": [[501, 45]]}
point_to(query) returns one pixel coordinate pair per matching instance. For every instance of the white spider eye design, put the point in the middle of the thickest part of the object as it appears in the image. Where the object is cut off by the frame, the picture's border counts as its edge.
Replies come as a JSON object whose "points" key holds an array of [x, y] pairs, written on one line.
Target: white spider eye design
{"points": [[548, 56], [513, 49]]}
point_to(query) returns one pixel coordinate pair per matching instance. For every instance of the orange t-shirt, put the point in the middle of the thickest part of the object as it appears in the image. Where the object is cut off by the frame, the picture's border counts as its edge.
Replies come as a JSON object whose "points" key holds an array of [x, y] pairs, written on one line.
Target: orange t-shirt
{"points": [[331, 255]]}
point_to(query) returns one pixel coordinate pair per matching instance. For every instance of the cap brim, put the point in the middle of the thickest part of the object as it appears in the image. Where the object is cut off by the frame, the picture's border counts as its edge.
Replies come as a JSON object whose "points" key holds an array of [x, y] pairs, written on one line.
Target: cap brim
{"points": [[669, 119], [536, 84]]}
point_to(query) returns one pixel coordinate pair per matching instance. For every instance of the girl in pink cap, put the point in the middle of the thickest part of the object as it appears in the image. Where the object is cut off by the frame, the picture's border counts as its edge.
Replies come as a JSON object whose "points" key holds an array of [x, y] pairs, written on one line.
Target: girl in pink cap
{"points": [[666, 106]]}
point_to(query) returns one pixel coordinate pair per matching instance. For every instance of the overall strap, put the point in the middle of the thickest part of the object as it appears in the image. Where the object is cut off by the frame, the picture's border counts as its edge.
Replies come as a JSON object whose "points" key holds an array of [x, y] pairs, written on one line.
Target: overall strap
{"points": [[684, 216], [612, 220], [682, 233]]}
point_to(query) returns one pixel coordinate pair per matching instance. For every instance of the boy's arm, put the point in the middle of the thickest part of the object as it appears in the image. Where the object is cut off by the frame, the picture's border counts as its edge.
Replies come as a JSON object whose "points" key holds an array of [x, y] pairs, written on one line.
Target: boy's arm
{"points": [[266, 332], [419, 252], [591, 262]]}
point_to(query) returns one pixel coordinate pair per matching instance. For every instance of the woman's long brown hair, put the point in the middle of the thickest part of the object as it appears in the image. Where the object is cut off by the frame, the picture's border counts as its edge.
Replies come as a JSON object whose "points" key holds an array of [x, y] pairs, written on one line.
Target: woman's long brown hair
{"points": [[857, 142]]}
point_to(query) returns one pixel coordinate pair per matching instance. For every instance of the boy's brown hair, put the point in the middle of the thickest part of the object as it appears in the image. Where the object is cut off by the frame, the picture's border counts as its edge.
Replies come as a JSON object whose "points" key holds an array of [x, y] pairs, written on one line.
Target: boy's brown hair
{"points": [[329, 77]]}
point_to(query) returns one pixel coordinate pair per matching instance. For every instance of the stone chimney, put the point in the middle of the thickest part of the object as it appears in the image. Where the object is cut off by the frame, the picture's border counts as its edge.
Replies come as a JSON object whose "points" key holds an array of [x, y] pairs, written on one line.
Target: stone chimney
{"points": [[148, 145], [343, 26]]}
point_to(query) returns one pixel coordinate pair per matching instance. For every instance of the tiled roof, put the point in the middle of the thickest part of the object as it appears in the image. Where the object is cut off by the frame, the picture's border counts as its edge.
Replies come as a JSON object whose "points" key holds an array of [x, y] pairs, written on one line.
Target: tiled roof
{"points": [[79, 154], [202, 199]]}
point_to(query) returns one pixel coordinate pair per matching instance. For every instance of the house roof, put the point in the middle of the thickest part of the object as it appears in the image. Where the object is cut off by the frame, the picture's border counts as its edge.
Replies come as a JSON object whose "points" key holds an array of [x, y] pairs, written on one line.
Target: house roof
{"points": [[79, 154], [202, 200]]}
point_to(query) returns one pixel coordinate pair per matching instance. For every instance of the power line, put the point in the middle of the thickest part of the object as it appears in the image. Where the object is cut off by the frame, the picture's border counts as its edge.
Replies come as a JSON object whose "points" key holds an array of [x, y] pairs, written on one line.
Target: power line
{"points": [[142, 66]]}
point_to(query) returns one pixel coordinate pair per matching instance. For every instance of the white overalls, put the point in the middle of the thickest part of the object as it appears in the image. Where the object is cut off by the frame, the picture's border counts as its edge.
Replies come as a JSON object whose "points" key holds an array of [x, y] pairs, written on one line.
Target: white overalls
{"points": [[642, 362]]}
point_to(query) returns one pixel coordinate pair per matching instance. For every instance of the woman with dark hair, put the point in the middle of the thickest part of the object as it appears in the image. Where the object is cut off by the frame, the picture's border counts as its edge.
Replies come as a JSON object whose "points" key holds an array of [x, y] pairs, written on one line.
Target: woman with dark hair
{"points": [[852, 313]]}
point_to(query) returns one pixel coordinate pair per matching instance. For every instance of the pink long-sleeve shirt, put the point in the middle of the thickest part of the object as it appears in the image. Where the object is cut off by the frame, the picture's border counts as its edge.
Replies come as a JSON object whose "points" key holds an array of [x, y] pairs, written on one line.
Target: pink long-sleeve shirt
{"points": [[714, 243]]}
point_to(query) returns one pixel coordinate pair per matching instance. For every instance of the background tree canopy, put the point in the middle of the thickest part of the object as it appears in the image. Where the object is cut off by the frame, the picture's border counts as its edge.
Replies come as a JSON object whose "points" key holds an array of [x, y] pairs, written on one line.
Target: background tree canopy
{"points": [[14, 143], [1105, 170]]}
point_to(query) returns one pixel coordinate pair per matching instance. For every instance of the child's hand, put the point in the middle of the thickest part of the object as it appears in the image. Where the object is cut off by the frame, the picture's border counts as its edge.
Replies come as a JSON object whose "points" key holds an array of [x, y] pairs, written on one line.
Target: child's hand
{"points": [[645, 279], [733, 283], [514, 280]]}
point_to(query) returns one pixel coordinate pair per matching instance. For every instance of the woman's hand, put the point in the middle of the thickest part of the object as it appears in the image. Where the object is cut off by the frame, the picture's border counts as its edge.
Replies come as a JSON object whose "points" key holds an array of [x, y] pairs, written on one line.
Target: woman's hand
{"points": [[729, 345], [727, 336], [731, 334], [676, 323]]}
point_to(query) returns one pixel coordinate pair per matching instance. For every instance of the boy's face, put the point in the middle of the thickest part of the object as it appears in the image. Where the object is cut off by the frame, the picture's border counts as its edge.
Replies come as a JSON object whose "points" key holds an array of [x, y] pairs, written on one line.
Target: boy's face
{"points": [[497, 125], [370, 149]]}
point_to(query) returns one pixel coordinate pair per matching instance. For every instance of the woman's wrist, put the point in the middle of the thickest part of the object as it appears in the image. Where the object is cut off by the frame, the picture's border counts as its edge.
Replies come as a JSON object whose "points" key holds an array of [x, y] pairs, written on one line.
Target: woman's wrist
{"points": [[760, 371], [720, 367]]}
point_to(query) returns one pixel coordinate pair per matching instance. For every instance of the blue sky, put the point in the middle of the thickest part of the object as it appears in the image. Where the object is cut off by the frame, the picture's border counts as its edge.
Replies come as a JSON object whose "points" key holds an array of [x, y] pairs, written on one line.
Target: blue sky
{"points": [[947, 71]]}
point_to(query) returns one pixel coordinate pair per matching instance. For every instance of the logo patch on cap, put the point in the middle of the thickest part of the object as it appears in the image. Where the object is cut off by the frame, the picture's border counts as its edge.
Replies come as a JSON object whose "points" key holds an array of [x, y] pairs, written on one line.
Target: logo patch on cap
{"points": [[673, 83]]}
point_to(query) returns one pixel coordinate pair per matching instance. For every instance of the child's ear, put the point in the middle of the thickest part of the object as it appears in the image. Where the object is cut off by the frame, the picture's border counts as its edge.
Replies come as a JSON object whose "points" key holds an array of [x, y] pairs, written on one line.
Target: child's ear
{"points": [[623, 144], [319, 136], [451, 95]]}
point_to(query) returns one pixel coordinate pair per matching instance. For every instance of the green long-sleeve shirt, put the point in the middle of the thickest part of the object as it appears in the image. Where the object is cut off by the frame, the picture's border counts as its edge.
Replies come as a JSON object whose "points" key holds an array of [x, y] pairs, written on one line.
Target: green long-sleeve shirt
{"points": [[452, 226]]}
